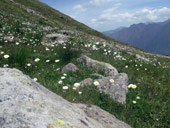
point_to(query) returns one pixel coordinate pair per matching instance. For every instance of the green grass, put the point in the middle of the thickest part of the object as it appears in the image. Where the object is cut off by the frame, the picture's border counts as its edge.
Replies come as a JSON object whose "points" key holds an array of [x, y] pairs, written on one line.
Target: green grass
{"points": [[152, 78]]}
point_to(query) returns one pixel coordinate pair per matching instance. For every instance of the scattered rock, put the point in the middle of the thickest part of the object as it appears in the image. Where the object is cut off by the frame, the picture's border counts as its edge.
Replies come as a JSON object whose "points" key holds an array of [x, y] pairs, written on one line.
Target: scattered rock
{"points": [[48, 28], [30, 11], [99, 66], [56, 38], [117, 88], [69, 67], [27, 104], [87, 81], [9, 38], [142, 58]]}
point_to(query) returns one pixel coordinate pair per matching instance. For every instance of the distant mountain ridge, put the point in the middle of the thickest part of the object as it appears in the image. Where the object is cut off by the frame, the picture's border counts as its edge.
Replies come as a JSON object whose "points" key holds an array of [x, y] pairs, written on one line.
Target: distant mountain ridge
{"points": [[152, 37]]}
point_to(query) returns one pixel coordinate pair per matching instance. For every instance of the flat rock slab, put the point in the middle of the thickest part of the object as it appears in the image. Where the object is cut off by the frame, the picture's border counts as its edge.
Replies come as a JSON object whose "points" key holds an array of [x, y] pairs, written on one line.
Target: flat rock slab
{"points": [[26, 104]]}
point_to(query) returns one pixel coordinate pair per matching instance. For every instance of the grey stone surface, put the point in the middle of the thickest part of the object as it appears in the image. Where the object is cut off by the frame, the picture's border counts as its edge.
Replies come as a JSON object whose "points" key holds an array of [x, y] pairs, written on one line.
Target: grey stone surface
{"points": [[26, 104], [56, 38], [118, 89], [69, 67], [9, 38], [30, 11], [99, 66], [87, 81]]}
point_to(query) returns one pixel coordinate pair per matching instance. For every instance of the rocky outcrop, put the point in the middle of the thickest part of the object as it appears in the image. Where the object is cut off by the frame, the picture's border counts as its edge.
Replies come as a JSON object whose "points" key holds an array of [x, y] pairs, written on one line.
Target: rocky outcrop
{"points": [[99, 66], [69, 67], [116, 84], [26, 104]]}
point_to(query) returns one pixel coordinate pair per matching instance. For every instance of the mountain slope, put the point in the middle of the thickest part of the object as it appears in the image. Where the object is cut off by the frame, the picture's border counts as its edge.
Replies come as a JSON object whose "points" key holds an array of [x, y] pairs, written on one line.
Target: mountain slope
{"points": [[152, 37], [40, 41]]}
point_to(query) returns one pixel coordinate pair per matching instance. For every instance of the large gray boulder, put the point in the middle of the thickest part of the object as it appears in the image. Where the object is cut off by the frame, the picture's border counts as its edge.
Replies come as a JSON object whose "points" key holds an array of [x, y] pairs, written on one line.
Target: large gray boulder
{"points": [[26, 104], [99, 66], [117, 89]]}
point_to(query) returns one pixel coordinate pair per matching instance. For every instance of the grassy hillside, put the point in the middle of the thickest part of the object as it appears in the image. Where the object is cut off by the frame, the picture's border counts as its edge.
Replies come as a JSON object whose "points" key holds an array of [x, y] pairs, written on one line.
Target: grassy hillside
{"points": [[150, 73]]}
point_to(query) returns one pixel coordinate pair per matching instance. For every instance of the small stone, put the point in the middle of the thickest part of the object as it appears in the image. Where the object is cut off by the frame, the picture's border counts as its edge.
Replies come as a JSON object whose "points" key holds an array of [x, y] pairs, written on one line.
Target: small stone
{"points": [[69, 67], [30, 11], [87, 81], [9, 38]]}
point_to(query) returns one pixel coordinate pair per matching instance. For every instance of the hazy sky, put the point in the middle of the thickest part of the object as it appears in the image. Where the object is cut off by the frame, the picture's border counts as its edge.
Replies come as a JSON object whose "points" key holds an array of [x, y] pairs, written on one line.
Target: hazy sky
{"points": [[110, 14]]}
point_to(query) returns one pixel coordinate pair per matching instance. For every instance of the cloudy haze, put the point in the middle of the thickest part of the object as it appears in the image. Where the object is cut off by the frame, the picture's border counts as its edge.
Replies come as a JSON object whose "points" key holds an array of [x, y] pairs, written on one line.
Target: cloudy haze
{"points": [[105, 15]]}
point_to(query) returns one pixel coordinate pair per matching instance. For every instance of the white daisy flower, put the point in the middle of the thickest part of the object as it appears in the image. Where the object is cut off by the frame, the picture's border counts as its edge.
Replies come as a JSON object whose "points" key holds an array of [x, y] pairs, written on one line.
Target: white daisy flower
{"points": [[96, 83], [112, 80], [57, 61], [134, 86], [60, 82], [28, 64], [65, 74], [63, 77], [65, 87], [138, 97], [76, 85], [79, 93], [6, 56], [47, 61], [37, 60], [35, 79], [134, 102]]}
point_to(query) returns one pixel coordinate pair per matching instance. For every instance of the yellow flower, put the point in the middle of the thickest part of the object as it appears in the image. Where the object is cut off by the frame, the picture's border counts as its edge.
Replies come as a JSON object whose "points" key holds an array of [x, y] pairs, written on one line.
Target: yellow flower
{"points": [[112, 80]]}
